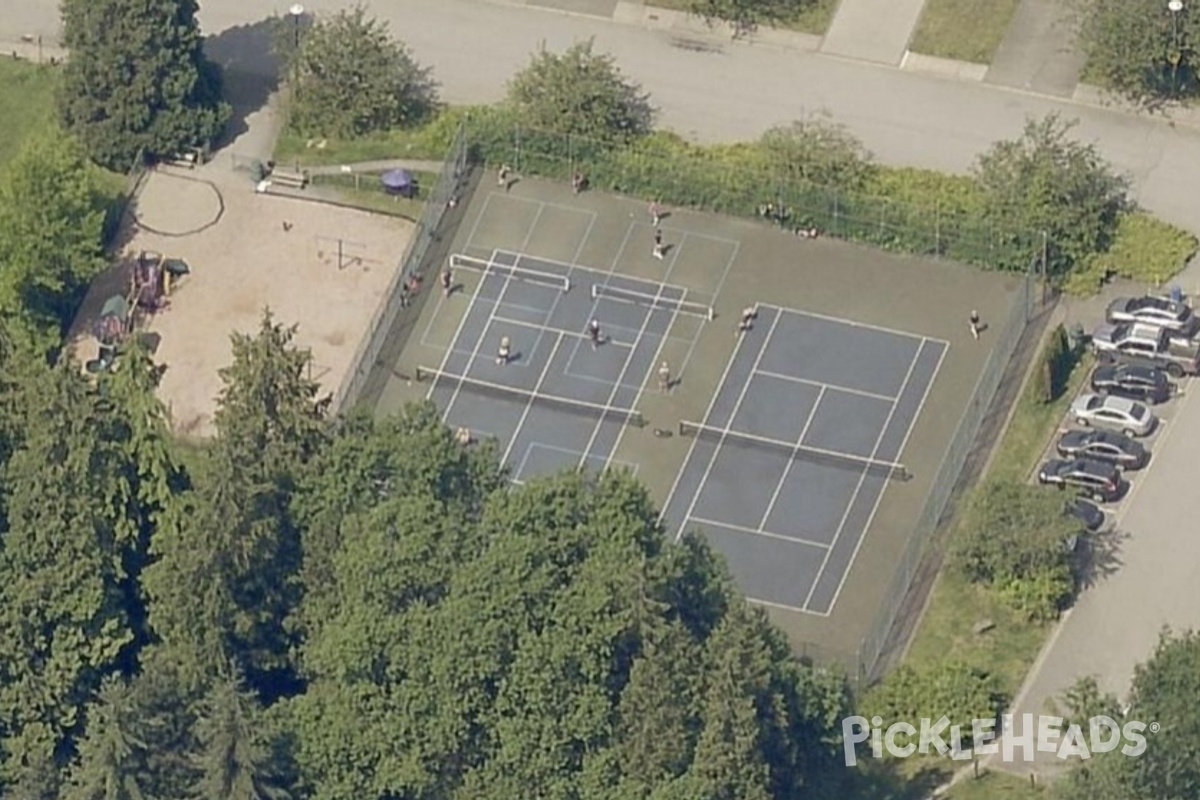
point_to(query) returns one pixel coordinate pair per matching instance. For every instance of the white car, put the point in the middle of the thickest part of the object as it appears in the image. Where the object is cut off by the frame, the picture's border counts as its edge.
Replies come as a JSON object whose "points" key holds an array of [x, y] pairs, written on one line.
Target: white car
{"points": [[1115, 413]]}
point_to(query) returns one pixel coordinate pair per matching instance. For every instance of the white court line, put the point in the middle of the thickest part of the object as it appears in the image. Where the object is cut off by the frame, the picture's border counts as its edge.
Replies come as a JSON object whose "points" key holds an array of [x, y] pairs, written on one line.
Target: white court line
{"points": [[758, 532], [442, 298], [879, 500], [517, 260], [855, 324], [529, 404], [637, 397], [687, 460], [780, 376], [543, 446], [603, 273], [732, 418], [787, 469], [616, 389], [783, 607], [716, 293], [545, 203], [559, 332], [887, 423], [491, 315]]}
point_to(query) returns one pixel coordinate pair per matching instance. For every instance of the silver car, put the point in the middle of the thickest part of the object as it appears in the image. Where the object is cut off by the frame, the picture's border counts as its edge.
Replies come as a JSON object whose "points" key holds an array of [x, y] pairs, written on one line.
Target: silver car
{"points": [[1161, 312], [1115, 413]]}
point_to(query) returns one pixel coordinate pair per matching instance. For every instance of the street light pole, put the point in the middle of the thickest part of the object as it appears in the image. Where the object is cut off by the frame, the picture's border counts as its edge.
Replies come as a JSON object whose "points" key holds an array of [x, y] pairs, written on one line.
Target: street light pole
{"points": [[1175, 6], [296, 12]]}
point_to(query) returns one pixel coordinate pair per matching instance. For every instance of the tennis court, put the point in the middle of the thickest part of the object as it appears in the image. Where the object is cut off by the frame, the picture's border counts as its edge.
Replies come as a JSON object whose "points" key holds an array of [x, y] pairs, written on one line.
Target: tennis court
{"points": [[559, 399], [805, 433]]}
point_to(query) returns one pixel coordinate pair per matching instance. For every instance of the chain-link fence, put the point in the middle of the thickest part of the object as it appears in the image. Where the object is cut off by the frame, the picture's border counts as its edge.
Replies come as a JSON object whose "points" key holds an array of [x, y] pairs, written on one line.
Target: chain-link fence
{"points": [[445, 190], [747, 181], [114, 218], [1008, 336]]}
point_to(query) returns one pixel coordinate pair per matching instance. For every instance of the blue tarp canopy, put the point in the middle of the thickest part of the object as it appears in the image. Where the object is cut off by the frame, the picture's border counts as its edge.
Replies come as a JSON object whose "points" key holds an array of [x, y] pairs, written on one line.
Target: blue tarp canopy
{"points": [[397, 179]]}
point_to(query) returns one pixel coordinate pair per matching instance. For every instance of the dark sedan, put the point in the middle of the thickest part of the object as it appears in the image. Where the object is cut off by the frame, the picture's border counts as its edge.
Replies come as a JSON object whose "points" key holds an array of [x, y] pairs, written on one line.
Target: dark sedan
{"points": [[1132, 381], [1096, 479], [1088, 514], [1107, 446]]}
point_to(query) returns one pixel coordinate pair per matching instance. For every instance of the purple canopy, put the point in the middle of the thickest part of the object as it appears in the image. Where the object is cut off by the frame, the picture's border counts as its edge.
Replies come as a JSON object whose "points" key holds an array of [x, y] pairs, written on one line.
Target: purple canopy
{"points": [[397, 179]]}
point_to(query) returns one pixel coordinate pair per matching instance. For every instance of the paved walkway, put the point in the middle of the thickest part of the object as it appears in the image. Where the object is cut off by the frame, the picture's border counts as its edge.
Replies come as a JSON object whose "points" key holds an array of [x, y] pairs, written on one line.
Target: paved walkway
{"points": [[1038, 53], [730, 92], [871, 30]]}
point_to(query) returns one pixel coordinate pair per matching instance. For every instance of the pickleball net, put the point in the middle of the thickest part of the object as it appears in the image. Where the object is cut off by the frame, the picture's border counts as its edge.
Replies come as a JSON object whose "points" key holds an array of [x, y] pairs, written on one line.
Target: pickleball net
{"points": [[501, 391], [485, 267], [815, 455], [601, 291]]}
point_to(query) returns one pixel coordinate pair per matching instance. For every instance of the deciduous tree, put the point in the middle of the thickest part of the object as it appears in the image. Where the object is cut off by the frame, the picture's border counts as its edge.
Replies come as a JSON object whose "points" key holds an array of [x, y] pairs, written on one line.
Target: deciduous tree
{"points": [[137, 82], [1141, 49], [351, 78], [744, 16], [818, 150], [52, 214], [1047, 183], [582, 93]]}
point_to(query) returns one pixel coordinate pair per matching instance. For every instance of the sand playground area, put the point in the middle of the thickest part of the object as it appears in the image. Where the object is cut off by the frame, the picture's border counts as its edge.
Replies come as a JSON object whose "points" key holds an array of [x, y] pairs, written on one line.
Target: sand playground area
{"points": [[246, 252]]}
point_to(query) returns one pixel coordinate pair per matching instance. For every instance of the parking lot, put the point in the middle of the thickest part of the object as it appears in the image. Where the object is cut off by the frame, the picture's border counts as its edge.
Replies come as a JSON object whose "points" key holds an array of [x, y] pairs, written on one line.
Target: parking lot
{"points": [[1146, 583]]}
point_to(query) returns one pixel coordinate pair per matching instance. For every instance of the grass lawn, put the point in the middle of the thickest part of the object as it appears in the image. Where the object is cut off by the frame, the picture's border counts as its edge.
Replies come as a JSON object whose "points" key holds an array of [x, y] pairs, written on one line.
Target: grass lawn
{"points": [[815, 19], [965, 30], [364, 191], [414, 143], [26, 103]]}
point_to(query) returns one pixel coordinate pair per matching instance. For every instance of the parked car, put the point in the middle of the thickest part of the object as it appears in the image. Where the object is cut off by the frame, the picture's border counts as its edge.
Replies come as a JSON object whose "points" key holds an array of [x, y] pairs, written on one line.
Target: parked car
{"points": [[1115, 413], [1134, 381], [1145, 345], [1089, 514], [1100, 481], [1161, 312], [1098, 445]]}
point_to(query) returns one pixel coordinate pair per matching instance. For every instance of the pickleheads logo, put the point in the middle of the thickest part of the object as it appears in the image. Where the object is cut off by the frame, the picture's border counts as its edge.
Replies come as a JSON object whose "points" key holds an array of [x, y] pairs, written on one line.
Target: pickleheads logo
{"points": [[1046, 735]]}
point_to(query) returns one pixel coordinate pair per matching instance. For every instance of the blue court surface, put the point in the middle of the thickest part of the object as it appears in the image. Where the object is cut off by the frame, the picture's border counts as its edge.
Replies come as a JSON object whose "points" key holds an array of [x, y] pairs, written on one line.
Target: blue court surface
{"points": [[560, 400], [798, 446]]}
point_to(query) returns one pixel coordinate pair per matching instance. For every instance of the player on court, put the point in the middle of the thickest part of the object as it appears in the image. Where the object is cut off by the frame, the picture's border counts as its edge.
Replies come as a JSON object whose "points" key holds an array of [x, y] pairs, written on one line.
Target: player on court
{"points": [[447, 281], [664, 377], [594, 333], [505, 351], [747, 320]]}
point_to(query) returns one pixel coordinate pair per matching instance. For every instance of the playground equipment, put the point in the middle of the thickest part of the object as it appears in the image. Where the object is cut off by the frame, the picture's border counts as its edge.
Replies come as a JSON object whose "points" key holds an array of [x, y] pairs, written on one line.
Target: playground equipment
{"points": [[152, 279], [110, 329], [149, 286]]}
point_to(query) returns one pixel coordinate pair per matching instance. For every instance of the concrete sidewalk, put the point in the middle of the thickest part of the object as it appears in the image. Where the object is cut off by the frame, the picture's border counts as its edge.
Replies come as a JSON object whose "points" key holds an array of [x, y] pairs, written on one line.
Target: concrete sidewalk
{"points": [[1038, 53], [871, 30]]}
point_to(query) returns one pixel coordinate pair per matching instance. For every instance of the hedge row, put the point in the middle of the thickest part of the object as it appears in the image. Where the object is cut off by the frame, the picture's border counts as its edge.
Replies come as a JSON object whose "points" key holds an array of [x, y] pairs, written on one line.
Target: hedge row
{"points": [[913, 211]]}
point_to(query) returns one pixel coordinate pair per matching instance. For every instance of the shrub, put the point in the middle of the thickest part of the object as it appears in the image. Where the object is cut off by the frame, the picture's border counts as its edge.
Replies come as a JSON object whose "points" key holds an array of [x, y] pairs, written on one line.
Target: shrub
{"points": [[1040, 596], [1144, 249], [950, 688]]}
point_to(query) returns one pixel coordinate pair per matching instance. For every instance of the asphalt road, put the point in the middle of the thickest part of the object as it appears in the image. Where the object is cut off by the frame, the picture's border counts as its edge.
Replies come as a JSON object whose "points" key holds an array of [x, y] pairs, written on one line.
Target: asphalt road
{"points": [[739, 91]]}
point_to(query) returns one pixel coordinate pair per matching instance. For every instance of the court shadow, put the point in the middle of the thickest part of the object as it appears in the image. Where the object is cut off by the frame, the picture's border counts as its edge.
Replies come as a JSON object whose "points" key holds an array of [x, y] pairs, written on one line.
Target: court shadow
{"points": [[509, 184], [667, 248], [455, 289]]}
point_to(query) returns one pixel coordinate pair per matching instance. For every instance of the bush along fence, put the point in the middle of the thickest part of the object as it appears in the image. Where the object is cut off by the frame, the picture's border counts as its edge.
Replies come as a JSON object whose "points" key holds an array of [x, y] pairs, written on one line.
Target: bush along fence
{"points": [[743, 181], [447, 187]]}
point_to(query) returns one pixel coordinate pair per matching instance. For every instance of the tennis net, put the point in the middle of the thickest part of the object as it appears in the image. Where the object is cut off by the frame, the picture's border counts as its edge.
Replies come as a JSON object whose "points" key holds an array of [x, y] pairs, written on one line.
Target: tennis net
{"points": [[483, 266], [814, 455], [503, 391], [599, 291]]}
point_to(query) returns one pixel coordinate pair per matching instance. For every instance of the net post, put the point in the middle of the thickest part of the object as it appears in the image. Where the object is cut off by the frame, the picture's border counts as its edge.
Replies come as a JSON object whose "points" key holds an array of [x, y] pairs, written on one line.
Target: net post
{"points": [[681, 428], [419, 374], [712, 314], [595, 292], [566, 284]]}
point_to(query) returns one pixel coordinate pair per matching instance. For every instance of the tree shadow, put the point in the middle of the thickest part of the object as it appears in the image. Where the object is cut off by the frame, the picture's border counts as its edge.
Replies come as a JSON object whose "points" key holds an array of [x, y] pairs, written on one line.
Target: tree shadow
{"points": [[250, 67], [1098, 557]]}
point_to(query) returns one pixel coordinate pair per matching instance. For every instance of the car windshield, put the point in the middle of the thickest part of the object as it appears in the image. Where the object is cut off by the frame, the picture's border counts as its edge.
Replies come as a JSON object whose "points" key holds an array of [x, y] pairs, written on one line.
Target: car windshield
{"points": [[1096, 401], [1137, 410]]}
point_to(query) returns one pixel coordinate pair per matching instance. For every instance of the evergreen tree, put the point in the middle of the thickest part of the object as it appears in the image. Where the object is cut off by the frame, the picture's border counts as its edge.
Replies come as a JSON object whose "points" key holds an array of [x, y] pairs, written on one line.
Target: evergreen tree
{"points": [[111, 762], [233, 760], [137, 83]]}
